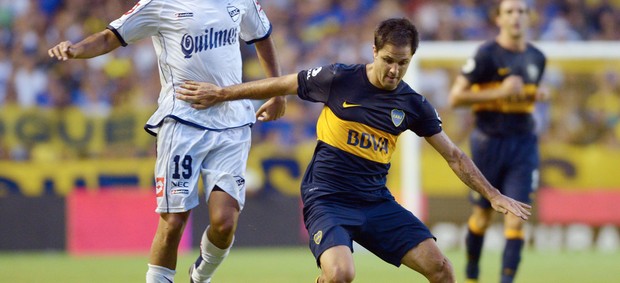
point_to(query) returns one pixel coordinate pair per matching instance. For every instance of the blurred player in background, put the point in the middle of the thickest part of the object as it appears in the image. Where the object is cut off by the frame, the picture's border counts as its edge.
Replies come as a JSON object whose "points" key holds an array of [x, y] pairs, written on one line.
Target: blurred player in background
{"points": [[194, 40], [500, 84], [344, 188]]}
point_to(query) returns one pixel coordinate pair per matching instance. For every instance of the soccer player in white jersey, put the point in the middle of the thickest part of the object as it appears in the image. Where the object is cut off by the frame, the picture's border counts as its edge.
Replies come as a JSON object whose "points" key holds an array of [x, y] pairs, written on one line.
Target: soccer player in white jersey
{"points": [[198, 41]]}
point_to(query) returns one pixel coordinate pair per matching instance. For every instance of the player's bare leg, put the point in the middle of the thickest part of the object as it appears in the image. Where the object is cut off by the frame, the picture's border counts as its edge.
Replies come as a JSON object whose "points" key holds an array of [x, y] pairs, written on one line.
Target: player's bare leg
{"points": [[337, 265], [513, 231], [478, 224], [163, 254], [218, 237], [427, 259]]}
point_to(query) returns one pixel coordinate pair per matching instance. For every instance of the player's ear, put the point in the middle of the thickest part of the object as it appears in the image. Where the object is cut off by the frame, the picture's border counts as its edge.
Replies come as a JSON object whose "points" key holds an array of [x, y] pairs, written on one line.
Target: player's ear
{"points": [[374, 51]]}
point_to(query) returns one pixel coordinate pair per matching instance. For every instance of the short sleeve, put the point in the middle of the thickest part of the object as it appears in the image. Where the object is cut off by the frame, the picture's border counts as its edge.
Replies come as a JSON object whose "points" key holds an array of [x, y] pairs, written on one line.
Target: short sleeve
{"points": [[314, 84], [474, 68], [427, 121], [255, 25], [141, 21]]}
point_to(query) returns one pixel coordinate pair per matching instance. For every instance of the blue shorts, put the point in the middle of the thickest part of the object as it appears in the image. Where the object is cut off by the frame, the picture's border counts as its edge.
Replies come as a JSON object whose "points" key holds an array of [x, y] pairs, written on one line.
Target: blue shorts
{"points": [[385, 228], [510, 163]]}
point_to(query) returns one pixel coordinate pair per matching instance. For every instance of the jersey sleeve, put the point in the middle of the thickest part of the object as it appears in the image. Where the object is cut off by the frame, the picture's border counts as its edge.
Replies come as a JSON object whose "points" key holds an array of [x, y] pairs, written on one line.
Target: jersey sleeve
{"points": [[427, 122], [314, 84], [139, 22], [543, 66], [474, 68], [255, 25]]}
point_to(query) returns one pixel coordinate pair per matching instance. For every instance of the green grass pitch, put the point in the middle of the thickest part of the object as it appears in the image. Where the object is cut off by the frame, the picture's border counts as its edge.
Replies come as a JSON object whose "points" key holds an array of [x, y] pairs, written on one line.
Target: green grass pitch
{"points": [[296, 265]]}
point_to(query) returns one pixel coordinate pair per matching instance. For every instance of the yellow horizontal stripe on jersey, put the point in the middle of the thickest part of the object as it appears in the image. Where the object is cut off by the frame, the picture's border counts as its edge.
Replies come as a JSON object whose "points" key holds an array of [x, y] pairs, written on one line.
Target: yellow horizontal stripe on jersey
{"points": [[355, 138], [507, 105]]}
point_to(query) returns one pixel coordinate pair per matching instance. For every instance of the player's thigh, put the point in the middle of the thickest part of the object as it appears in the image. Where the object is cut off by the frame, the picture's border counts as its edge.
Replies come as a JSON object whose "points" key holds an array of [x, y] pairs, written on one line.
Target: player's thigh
{"points": [[177, 167], [522, 177], [330, 224], [225, 165], [390, 231], [521, 181]]}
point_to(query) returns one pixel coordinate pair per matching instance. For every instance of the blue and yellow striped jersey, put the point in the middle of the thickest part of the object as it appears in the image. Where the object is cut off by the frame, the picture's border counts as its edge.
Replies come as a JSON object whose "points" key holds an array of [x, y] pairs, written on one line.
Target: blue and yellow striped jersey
{"points": [[357, 130], [489, 67]]}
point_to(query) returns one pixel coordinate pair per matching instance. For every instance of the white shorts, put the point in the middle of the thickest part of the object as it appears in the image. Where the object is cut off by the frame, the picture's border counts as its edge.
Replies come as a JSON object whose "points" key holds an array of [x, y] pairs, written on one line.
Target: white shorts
{"points": [[185, 153]]}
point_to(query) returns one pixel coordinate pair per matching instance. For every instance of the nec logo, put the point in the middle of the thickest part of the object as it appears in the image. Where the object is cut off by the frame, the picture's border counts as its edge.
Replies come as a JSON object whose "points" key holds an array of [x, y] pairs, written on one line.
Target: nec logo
{"points": [[180, 184], [366, 140]]}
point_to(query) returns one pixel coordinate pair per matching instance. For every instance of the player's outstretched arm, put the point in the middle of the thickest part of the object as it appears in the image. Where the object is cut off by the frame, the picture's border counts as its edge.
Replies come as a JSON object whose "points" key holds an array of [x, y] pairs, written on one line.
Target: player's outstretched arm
{"points": [[467, 171], [92, 46], [202, 95], [461, 93], [275, 107]]}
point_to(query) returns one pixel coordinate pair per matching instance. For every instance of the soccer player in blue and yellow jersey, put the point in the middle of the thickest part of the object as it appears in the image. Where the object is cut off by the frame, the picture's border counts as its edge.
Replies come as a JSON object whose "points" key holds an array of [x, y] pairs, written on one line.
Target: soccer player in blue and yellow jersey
{"points": [[344, 189], [500, 84]]}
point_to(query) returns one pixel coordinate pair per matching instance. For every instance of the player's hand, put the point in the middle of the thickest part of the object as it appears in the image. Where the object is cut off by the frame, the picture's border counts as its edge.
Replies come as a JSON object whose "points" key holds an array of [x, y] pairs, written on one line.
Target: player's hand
{"points": [[200, 95], [542, 94], [505, 205], [271, 110], [512, 86], [63, 51]]}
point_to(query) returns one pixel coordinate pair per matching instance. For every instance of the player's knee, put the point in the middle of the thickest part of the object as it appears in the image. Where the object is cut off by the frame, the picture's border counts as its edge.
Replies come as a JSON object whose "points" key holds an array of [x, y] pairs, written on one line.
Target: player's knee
{"points": [[174, 223], [441, 271], [339, 274], [479, 222], [223, 225]]}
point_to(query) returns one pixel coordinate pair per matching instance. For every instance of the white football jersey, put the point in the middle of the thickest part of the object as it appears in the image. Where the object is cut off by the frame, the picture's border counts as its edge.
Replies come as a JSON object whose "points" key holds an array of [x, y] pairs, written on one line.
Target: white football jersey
{"points": [[196, 40]]}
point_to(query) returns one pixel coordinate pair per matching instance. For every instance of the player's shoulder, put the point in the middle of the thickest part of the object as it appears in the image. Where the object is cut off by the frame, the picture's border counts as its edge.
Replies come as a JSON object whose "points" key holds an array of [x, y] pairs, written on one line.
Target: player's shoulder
{"points": [[406, 91], [531, 48], [488, 46], [487, 49], [344, 68]]}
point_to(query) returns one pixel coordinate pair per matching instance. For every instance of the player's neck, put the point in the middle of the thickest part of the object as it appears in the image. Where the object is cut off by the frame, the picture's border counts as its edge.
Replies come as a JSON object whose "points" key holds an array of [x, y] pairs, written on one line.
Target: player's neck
{"points": [[517, 44]]}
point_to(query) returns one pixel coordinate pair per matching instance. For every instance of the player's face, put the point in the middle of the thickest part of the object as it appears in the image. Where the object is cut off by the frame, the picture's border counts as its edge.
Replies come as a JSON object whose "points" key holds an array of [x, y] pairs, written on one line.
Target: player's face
{"points": [[390, 64], [513, 18]]}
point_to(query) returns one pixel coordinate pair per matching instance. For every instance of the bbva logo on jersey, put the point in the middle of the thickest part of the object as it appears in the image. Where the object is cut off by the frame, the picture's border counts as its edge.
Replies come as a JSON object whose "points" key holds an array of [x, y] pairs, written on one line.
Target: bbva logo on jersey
{"points": [[367, 141]]}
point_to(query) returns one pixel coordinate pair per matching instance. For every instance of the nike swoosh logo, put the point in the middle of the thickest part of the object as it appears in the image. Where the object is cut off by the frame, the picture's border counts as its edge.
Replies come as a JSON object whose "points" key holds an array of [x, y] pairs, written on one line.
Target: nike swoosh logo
{"points": [[348, 105]]}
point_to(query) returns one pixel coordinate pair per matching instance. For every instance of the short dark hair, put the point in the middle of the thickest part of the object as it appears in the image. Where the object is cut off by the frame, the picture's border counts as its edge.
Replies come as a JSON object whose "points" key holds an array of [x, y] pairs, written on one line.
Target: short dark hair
{"points": [[398, 32], [495, 10]]}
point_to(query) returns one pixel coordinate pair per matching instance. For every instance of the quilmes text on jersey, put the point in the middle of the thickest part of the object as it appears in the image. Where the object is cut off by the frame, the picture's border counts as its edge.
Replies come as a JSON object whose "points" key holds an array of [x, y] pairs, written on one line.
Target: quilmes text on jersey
{"points": [[210, 39]]}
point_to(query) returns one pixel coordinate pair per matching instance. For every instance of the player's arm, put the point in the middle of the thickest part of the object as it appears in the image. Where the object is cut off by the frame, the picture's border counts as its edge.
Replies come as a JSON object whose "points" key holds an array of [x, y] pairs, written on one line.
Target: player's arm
{"points": [[467, 171], [461, 93], [92, 46], [202, 95], [275, 107]]}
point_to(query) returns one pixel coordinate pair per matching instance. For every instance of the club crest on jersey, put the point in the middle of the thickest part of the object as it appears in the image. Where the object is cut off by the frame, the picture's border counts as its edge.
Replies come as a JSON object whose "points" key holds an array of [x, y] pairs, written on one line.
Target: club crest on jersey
{"points": [[397, 117], [233, 12], [318, 236], [532, 72]]}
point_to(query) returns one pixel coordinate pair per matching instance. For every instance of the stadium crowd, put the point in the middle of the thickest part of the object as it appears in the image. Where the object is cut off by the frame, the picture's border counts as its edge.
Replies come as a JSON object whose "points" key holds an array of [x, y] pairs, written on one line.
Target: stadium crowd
{"points": [[307, 33]]}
